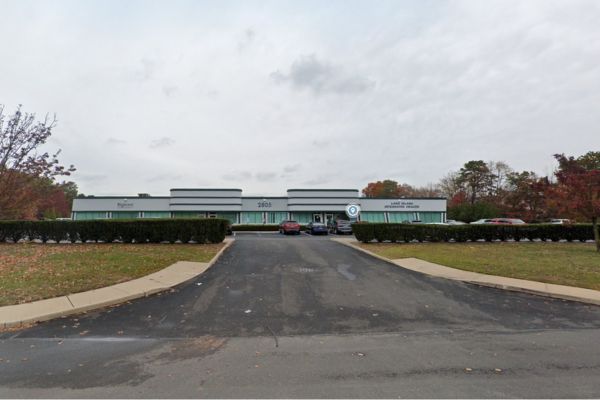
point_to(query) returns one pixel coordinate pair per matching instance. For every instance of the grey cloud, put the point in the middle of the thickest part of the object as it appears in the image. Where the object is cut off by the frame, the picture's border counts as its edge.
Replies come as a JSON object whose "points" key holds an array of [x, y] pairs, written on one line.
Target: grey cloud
{"points": [[321, 77], [169, 90], [147, 69], [266, 176], [319, 143], [162, 142], [113, 141], [318, 180], [164, 177], [247, 39], [237, 176], [92, 178], [291, 168]]}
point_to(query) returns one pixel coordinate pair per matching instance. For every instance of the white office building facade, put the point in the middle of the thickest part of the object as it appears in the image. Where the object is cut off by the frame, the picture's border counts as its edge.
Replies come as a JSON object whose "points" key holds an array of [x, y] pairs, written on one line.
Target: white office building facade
{"points": [[302, 205]]}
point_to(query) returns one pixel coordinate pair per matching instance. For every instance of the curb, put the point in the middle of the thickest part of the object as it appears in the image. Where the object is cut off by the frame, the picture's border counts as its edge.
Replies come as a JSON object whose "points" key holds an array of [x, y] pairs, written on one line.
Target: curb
{"points": [[43, 310], [571, 293]]}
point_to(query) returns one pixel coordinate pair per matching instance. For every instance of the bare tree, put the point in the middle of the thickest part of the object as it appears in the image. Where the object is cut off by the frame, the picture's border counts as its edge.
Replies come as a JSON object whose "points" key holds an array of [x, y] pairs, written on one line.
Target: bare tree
{"points": [[449, 185]]}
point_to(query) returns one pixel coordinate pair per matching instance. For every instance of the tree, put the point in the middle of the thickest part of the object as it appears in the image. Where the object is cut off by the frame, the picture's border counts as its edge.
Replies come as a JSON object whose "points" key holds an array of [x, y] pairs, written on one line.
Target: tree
{"points": [[449, 185], [430, 190], [578, 188], [70, 190], [22, 162], [476, 179], [472, 212], [388, 189], [500, 172], [525, 196]]}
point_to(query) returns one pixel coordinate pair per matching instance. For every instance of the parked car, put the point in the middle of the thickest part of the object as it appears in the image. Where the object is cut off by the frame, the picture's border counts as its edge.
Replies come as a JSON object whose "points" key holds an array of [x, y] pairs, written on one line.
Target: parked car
{"points": [[506, 221], [340, 226], [316, 227], [289, 226], [482, 221], [560, 221], [454, 222]]}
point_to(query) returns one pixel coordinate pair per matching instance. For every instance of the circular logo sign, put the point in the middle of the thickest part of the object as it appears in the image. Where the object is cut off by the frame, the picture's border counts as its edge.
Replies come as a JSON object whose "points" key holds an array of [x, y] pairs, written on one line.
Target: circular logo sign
{"points": [[352, 210]]}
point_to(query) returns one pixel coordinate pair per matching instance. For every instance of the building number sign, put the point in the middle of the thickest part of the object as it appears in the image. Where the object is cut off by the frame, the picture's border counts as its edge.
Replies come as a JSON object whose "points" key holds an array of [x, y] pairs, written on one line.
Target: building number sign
{"points": [[264, 204]]}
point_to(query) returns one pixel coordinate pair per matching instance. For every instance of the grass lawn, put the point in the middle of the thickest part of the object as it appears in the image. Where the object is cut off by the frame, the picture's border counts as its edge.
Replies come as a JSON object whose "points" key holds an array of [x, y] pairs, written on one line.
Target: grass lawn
{"points": [[571, 264], [30, 271]]}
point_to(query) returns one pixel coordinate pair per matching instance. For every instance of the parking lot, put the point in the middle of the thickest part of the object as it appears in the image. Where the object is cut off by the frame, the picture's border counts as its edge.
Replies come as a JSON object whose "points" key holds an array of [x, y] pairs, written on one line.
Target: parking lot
{"points": [[305, 316]]}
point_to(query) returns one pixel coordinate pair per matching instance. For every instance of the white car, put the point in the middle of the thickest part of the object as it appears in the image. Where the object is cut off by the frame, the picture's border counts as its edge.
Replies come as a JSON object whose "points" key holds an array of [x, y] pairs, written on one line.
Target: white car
{"points": [[560, 221], [454, 222], [482, 221]]}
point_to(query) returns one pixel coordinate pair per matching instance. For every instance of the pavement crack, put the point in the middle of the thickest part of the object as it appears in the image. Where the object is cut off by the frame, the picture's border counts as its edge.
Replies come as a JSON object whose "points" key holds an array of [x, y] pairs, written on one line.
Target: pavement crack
{"points": [[274, 335]]}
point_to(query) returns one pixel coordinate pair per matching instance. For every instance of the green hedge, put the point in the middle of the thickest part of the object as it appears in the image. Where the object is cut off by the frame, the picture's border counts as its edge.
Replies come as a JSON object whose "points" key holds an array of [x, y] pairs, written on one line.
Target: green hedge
{"points": [[259, 228], [367, 232], [126, 231]]}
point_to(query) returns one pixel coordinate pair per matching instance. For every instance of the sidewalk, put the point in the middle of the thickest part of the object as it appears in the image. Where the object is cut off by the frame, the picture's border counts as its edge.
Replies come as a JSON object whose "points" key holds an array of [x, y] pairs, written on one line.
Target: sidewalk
{"points": [[518, 285], [43, 310]]}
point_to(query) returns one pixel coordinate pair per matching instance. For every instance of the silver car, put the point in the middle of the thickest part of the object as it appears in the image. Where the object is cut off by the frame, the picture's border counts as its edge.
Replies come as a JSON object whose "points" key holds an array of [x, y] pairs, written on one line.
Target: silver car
{"points": [[482, 221]]}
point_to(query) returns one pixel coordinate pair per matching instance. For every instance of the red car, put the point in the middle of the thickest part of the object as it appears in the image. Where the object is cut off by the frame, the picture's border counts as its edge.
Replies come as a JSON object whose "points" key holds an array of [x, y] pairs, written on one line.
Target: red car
{"points": [[286, 227]]}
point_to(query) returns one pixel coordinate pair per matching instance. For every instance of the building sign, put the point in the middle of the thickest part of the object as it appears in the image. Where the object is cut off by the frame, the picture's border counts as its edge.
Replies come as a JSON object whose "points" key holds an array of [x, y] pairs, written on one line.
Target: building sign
{"points": [[264, 204], [352, 210], [403, 204], [124, 204]]}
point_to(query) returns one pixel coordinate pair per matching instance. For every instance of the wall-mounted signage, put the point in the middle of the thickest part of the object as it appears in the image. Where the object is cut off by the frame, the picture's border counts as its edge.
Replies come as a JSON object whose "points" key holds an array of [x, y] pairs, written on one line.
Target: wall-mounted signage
{"points": [[264, 204], [124, 204], [403, 204]]}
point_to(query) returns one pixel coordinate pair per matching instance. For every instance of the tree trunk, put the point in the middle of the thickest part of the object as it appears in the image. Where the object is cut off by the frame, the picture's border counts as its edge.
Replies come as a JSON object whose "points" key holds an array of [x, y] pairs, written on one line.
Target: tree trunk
{"points": [[596, 233]]}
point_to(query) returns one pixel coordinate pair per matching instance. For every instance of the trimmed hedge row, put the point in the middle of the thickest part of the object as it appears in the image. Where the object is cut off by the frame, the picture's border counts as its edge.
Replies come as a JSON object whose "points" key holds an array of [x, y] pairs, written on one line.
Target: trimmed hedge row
{"points": [[367, 232], [126, 231]]}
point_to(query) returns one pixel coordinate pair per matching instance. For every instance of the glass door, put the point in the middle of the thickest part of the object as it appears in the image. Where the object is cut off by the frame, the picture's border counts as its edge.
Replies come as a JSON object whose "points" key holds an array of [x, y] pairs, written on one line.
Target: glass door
{"points": [[328, 219]]}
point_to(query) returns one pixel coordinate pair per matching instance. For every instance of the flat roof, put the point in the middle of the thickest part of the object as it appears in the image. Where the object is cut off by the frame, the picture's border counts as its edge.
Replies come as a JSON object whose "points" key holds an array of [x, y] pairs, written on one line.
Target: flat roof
{"points": [[208, 190]]}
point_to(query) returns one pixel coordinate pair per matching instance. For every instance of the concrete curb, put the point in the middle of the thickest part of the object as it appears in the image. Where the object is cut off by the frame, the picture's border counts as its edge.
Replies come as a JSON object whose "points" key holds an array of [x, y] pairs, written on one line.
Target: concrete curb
{"points": [[43, 310], [572, 293]]}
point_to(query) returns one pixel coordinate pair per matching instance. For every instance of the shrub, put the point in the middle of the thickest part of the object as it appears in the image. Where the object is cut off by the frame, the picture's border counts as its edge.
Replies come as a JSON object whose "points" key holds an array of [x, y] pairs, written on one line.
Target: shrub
{"points": [[367, 232], [108, 231]]}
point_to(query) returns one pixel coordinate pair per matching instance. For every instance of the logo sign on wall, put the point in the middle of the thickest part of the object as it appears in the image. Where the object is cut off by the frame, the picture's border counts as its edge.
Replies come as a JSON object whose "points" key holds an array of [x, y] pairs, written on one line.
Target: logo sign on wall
{"points": [[352, 210]]}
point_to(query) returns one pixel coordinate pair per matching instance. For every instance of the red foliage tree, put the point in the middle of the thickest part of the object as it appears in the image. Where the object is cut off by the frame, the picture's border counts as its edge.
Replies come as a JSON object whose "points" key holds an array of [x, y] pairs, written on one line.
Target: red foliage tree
{"points": [[388, 189], [578, 190], [23, 164]]}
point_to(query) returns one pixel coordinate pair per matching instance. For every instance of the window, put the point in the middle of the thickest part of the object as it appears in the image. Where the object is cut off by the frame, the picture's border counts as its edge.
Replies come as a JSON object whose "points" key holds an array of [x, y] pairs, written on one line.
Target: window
{"points": [[157, 214], [431, 217], [302, 217], [86, 215], [274, 217], [398, 217], [187, 214], [230, 216], [372, 216], [252, 217], [125, 214]]}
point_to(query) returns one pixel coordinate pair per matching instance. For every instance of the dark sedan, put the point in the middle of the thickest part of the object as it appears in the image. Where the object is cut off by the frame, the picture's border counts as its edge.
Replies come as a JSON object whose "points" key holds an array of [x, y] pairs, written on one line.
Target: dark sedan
{"points": [[315, 228]]}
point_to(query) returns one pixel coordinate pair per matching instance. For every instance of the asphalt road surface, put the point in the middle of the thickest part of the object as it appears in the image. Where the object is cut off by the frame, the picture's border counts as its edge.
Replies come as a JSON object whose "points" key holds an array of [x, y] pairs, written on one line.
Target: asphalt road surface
{"points": [[302, 316]]}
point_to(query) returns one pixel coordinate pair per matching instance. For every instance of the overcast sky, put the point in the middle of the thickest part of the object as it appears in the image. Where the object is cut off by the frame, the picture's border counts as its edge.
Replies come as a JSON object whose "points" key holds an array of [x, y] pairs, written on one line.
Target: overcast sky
{"points": [[266, 96]]}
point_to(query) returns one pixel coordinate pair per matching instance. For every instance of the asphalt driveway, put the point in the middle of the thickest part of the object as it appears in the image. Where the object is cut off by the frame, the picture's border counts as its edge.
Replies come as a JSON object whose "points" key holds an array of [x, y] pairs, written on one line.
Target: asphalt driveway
{"points": [[290, 301]]}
